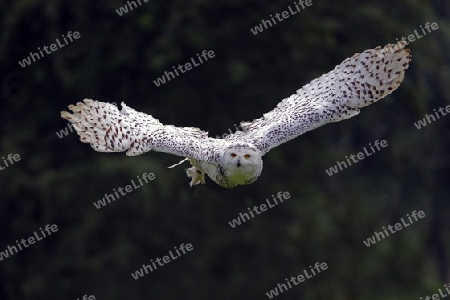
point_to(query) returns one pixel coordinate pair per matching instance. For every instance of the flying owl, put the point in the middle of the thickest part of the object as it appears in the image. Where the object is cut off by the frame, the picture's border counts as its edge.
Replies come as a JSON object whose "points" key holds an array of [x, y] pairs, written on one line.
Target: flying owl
{"points": [[236, 160]]}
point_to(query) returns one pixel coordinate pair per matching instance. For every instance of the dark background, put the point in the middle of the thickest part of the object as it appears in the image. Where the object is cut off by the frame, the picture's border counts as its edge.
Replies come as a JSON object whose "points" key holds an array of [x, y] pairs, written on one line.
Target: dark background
{"points": [[327, 218]]}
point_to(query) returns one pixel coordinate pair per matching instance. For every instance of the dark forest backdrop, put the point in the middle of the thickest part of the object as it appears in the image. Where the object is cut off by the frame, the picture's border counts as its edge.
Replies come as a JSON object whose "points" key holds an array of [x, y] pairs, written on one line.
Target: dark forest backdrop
{"points": [[326, 219]]}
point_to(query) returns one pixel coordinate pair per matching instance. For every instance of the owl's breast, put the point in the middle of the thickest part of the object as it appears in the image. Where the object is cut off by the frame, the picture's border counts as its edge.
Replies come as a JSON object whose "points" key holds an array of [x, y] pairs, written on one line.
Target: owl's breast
{"points": [[233, 177]]}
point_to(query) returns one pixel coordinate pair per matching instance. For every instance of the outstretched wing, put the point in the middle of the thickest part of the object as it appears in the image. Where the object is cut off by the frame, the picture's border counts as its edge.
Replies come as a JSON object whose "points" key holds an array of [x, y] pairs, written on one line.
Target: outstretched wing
{"points": [[358, 81], [109, 130]]}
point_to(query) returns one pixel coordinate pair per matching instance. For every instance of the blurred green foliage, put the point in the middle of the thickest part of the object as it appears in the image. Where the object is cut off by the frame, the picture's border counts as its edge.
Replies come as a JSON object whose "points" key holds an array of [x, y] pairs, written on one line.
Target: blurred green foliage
{"points": [[327, 218]]}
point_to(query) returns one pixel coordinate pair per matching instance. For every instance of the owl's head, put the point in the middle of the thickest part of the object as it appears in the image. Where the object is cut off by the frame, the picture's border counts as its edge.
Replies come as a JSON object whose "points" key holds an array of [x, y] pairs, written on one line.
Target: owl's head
{"points": [[242, 162]]}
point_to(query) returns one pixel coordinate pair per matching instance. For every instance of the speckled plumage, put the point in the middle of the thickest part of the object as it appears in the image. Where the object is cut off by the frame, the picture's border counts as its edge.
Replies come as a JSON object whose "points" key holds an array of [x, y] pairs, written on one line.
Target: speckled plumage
{"points": [[236, 160]]}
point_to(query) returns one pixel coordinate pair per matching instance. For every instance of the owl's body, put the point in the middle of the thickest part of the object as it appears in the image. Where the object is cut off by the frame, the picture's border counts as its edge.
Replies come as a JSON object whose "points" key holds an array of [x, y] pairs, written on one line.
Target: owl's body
{"points": [[237, 160], [241, 164]]}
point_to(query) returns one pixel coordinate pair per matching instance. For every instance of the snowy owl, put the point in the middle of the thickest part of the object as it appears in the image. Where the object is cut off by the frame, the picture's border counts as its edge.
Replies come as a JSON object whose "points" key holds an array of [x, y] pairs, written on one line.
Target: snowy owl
{"points": [[236, 160]]}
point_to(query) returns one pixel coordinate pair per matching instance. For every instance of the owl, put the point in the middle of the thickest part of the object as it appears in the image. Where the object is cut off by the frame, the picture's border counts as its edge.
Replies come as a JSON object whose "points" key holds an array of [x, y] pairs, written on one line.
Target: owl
{"points": [[235, 160]]}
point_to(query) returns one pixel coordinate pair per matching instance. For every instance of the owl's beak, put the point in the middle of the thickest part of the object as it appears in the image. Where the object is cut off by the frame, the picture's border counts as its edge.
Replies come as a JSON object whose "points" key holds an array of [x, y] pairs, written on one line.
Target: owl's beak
{"points": [[239, 163]]}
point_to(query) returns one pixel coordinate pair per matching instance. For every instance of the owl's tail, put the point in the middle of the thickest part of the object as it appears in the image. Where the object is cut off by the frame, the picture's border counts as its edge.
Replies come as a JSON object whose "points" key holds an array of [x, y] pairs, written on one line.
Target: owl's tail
{"points": [[370, 76]]}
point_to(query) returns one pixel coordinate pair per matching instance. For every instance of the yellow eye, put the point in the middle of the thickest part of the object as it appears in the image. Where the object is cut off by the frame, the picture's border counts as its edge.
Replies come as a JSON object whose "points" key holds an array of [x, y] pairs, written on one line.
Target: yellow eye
{"points": [[233, 154], [247, 156]]}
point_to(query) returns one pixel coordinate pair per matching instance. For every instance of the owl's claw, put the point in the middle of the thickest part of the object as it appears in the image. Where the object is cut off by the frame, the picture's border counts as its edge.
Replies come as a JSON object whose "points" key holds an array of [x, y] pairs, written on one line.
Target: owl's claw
{"points": [[197, 177]]}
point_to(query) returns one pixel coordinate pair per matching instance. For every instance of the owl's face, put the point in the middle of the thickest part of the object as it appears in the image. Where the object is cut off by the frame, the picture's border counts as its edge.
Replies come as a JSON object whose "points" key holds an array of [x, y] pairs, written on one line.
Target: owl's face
{"points": [[241, 163]]}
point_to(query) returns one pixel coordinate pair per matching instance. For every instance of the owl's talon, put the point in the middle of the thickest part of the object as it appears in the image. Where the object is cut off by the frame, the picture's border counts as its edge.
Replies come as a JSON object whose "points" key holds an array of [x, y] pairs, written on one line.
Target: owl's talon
{"points": [[197, 176]]}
